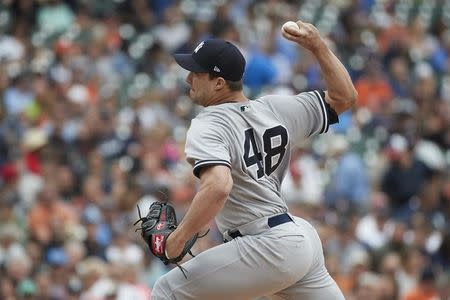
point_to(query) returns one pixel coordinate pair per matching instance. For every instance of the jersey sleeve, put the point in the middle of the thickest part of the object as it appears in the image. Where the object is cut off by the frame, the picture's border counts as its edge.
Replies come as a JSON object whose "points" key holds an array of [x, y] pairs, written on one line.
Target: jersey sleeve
{"points": [[206, 146], [305, 114]]}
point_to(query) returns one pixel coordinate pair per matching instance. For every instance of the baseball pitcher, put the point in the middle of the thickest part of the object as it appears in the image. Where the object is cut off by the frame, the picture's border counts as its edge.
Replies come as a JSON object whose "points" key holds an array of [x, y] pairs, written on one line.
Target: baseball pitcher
{"points": [[240, 151]]}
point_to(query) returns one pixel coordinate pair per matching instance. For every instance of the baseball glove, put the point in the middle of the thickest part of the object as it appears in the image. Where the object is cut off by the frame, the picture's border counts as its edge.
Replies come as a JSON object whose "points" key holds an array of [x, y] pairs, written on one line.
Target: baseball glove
{"points": [[156, 227]]}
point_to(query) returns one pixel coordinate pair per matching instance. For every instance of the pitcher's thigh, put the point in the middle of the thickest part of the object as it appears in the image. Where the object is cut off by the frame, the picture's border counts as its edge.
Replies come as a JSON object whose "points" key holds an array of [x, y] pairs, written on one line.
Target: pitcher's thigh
{"points": [[213, 275], [244, 268]]}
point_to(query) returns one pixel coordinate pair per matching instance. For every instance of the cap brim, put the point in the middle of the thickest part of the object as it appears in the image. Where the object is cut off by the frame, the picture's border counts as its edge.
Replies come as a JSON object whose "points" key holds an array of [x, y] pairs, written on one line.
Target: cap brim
{"points": [[186, 61]]}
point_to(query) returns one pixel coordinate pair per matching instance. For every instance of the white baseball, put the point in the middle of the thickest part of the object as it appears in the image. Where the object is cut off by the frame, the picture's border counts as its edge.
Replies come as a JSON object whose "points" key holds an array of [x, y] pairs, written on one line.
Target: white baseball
{"points": [[290, 24]]}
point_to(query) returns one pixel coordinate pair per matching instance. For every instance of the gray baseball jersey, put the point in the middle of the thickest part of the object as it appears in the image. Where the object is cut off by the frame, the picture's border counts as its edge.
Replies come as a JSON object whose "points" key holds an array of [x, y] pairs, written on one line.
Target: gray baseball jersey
{"points": [[254, 139], [285, 261]]}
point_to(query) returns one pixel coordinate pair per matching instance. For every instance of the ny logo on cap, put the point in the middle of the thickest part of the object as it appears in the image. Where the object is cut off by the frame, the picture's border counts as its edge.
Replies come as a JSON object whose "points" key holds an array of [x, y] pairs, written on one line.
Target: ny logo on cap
{"points": [[199, 46]]}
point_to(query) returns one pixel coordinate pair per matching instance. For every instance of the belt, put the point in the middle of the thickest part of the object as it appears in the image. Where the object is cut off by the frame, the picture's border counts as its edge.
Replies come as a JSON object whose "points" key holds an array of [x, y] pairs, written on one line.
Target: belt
{"points": [[271, 222]]}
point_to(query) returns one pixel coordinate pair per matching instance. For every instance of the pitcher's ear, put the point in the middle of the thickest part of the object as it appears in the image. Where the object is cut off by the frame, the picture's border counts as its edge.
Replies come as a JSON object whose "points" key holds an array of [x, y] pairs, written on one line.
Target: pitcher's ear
{"points": [[220, 83]]}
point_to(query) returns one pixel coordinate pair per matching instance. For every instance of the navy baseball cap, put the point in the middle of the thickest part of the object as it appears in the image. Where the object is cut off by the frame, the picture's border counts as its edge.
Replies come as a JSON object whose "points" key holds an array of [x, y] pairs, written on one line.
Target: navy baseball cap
{"points": [[215, 56]]}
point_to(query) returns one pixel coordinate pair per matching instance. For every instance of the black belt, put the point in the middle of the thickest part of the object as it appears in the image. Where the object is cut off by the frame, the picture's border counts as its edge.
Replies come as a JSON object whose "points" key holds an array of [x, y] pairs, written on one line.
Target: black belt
{"points": [[272, 222]]}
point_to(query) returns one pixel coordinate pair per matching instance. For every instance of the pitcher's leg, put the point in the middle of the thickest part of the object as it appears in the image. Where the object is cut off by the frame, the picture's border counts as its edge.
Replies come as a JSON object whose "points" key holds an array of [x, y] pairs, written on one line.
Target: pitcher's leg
{"points": [[205, 273], [317, 284], [244, 268], [161, 290]]}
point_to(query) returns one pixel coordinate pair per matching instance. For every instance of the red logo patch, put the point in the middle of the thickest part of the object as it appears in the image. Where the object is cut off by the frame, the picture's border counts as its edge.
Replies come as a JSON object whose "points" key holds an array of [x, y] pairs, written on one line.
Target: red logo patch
{"points": [[158, 243], [160, 225]]}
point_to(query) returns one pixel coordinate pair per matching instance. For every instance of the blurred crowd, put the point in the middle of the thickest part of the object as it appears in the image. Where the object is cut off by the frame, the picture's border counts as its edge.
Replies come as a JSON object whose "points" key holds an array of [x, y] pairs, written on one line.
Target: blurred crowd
{"points": [[94, 112]]}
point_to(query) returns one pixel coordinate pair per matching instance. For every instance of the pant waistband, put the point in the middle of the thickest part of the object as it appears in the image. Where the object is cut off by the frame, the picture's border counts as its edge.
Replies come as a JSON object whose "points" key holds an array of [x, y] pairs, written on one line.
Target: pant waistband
{"points": [[257, 226]]}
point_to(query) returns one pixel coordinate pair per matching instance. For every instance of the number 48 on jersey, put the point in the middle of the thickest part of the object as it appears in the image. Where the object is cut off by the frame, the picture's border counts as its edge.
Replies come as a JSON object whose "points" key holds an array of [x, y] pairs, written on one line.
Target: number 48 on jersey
{"points": [[275, 140]]}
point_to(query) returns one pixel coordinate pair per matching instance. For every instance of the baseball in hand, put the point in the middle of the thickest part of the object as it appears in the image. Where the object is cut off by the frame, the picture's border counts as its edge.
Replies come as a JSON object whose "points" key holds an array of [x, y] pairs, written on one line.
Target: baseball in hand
{"points": [[290, 24]]}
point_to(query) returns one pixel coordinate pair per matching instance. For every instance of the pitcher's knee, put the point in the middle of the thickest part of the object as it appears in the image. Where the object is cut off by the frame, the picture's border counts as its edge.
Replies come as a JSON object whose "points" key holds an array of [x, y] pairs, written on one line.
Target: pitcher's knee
{"points": [[161, 290]]}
